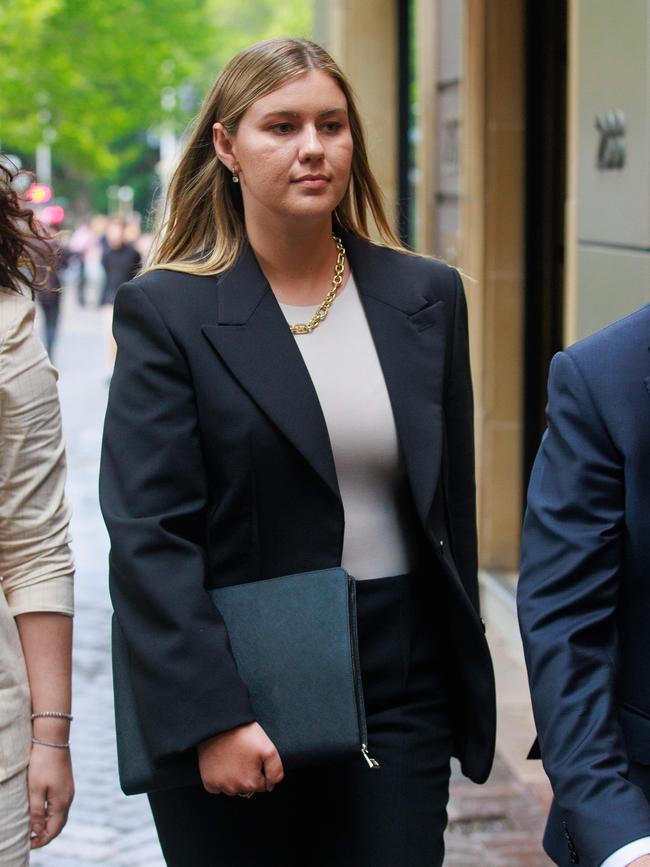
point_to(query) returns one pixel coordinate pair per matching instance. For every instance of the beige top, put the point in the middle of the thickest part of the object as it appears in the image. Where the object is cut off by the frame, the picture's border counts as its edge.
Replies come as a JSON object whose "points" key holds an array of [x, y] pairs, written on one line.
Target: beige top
{"points": [[36, 567], [340, 355]]}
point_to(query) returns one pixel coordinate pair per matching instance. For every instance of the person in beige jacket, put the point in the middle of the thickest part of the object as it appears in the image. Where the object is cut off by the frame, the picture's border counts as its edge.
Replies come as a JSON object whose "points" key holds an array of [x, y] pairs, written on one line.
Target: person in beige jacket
{"points": [[36, 568]]}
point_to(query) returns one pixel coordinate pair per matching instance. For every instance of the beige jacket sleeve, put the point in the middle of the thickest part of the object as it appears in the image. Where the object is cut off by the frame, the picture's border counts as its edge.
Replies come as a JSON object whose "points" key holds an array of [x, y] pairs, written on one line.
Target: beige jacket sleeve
{"points": [[36, 564]]}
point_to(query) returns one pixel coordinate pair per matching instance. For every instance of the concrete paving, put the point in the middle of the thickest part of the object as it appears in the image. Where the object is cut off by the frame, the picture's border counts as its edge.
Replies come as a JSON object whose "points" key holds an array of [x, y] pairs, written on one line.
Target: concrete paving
{"points": [[104, 826], [501, 823], [497, 825]]}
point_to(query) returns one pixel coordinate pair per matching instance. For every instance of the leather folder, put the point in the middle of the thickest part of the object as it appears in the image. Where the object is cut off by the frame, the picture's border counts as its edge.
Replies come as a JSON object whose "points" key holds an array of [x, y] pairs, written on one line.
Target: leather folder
{"points": [[294, 640]]}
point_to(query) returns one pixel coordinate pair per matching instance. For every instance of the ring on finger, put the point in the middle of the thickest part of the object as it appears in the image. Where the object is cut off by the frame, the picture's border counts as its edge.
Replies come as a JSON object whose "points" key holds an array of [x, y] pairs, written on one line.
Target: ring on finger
{"points": [[246, 794]]}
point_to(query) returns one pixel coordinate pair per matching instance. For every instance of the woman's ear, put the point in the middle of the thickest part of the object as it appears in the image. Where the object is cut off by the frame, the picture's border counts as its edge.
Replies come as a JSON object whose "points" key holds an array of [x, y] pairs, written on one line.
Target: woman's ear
{"points": [[223, 145]]}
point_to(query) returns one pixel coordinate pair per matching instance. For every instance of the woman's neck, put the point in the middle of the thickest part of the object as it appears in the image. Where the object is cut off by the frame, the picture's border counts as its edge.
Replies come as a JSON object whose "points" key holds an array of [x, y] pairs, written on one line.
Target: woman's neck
{"points": [[298, 260]]}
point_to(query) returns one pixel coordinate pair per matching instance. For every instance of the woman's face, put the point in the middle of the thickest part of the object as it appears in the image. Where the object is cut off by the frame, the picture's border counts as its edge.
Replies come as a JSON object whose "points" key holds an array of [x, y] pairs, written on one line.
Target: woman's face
{"points": [[292, 149]]}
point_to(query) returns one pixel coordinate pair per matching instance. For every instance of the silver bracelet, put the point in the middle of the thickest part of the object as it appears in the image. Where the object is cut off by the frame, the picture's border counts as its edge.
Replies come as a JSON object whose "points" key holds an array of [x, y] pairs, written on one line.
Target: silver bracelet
{"points": [[49, 744], [57, 714]]}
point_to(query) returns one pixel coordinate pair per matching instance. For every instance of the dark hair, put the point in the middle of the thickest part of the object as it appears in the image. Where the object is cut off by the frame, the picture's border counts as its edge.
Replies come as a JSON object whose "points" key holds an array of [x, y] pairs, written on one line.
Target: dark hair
{"points": [[23, 240]]}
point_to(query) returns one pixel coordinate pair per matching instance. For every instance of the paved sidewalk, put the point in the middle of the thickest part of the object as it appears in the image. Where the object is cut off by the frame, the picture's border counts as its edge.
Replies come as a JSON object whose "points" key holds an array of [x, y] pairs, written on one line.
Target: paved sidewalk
{"points": [[104, 826], [497, 825], [501, 823]]}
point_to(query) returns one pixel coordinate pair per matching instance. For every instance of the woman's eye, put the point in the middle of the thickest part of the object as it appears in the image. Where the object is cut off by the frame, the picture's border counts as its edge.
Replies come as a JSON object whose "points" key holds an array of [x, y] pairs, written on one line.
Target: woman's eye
{"points": [[332, 126], [282, 128]]}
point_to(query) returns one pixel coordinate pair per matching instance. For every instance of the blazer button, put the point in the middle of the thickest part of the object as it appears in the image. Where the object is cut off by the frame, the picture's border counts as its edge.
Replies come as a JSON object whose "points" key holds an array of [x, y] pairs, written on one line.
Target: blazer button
{"points": [[442, 545]]}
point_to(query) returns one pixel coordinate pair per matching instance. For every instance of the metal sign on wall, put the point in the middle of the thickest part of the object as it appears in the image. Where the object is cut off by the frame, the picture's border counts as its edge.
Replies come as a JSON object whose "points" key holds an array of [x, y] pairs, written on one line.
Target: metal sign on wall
{"points": [[613, 261], [611, 145], [614, 125]]}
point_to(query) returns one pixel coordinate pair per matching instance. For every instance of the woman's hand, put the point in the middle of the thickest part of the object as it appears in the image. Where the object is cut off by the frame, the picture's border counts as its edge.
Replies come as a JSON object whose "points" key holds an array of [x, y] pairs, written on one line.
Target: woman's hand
{"points": [[51, 790], [46, 638], [238, 761]]}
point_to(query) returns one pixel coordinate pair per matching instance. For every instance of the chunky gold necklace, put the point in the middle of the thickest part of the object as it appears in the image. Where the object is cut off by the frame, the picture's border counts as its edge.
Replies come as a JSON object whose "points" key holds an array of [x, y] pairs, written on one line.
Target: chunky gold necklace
{"points": [[324, 309]]}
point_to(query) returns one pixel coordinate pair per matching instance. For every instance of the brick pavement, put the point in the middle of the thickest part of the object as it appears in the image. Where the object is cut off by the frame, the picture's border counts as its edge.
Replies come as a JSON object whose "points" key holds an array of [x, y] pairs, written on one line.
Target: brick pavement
{"points": [[104, 826], [496, 825], [499, 824]]}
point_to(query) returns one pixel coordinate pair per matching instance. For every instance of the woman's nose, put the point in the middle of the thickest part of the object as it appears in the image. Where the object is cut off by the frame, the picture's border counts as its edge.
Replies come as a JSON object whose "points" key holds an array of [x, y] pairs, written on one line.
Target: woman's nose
{"points": [[311, 146]]}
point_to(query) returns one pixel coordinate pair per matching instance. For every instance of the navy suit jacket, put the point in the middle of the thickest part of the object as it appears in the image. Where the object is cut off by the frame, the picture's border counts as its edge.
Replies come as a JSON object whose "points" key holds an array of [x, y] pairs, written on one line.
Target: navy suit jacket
{"points": [[217, 469], [584, 593]]}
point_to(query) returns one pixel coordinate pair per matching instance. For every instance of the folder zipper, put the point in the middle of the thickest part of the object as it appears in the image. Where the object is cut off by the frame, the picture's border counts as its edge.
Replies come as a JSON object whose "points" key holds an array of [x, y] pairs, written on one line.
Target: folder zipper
{"points": [[363, 733], [372, 763]]}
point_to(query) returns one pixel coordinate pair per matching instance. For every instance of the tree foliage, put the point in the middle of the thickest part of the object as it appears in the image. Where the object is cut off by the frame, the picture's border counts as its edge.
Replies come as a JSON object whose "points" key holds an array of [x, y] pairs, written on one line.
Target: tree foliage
{"points": [[245, 23], [90, 72]]}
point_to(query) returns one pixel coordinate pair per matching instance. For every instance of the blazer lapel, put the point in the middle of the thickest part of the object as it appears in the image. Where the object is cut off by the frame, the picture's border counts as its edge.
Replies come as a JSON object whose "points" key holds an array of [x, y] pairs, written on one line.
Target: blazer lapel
{"points": [[254, 341], [409, 335]]}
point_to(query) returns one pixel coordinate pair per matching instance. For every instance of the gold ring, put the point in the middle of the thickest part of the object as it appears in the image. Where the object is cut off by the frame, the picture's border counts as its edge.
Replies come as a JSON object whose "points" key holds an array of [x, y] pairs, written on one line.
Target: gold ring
{"points": [[246, 795]]}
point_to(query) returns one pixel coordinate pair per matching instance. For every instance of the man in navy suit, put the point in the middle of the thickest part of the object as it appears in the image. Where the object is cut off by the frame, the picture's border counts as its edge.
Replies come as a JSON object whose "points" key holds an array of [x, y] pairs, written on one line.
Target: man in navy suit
{"points": [[584, 597]]}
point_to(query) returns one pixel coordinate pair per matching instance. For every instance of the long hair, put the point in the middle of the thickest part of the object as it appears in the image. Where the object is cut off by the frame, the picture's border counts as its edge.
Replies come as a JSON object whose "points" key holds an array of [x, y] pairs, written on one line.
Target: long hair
{"points": [[24, 252], [202, 231]]}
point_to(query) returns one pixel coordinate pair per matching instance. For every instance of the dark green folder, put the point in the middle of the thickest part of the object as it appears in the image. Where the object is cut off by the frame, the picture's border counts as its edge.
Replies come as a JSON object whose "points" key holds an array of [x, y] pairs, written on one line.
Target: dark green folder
{"points": [[294, 640]]}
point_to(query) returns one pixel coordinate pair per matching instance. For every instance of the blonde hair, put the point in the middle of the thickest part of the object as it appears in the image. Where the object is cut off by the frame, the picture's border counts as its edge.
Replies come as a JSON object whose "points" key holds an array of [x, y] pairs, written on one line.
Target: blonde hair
{"points": [[203, 231]]}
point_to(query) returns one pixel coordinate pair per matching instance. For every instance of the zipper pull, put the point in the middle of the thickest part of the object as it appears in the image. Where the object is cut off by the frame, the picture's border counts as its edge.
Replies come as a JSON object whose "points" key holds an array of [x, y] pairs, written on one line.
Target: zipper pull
{"points": [[372, 763]]}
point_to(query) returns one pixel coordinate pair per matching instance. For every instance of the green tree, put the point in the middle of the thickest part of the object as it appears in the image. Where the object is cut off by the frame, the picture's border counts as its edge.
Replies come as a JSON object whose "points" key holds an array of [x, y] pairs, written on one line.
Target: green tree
{"points": [[245, 23], [91, 73], [92, 70]]}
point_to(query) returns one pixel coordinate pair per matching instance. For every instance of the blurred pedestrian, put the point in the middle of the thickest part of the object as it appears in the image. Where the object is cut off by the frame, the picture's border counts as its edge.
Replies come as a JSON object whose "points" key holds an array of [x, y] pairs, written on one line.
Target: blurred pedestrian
{"points": [[98, 226], [290, 396], [36, 786], [133, 228], [81, 242], [584, 597], [52, 257], [121, 262], [95, 276]]}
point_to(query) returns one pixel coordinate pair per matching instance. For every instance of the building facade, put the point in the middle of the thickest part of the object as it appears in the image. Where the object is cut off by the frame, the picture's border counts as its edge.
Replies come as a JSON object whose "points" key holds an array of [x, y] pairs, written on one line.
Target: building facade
{"points": [[511, 139]]}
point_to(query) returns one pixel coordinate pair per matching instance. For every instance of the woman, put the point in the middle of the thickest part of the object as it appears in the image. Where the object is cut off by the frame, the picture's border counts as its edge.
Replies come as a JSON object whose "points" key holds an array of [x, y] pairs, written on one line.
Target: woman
{"points": [[121, 262], [36, 786], [234, 449]]}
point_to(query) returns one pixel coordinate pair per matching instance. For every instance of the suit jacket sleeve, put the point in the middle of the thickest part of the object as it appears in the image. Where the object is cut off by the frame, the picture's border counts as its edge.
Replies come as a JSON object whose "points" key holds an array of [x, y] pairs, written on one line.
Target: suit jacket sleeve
{"points": [[459, 435], [153, 498], [572, 553]]}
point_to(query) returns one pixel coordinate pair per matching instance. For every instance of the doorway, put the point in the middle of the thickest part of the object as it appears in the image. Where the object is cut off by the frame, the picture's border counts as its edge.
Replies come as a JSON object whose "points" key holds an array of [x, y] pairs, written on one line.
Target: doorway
{"points": [[546, 30]]}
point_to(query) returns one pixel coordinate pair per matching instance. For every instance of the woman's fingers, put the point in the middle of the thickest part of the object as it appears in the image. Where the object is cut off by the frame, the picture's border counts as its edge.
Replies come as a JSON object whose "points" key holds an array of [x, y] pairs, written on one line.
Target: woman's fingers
{"points": [[51, 790], [248, 779], [52, 817], [259, 780], [239, 761], [37, 816], [273, 770], [58, 808]]}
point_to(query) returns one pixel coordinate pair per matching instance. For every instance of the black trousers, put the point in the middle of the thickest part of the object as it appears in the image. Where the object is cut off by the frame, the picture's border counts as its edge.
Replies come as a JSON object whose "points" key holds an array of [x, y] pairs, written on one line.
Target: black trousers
{"points": [[346, 815]]}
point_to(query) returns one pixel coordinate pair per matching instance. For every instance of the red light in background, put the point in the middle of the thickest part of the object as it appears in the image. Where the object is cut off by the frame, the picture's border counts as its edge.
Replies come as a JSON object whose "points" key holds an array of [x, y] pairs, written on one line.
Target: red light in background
{"points": [[38, 194], [52, 215]]}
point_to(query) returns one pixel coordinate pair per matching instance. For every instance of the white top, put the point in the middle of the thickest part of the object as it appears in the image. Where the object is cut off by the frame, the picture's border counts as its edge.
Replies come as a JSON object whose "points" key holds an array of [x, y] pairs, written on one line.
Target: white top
{"points": [[36, 566], [340, 355], [628, 854]]}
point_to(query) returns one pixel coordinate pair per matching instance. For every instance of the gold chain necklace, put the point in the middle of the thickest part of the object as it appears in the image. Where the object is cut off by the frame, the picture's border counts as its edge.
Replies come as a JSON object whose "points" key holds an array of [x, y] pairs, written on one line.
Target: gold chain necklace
{"points": [[324, 309]]}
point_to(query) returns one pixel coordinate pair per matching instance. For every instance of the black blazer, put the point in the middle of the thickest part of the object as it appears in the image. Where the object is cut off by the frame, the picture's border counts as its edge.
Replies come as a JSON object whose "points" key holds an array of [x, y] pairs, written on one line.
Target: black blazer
{"points": [[217, 469], [584, 593]]}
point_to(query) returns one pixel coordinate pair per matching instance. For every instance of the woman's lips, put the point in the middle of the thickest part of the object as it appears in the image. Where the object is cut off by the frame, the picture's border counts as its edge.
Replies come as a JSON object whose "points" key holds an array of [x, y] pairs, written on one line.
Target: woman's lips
{"points": [[312, 183]]}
